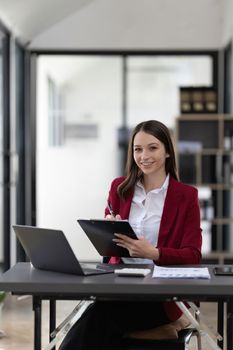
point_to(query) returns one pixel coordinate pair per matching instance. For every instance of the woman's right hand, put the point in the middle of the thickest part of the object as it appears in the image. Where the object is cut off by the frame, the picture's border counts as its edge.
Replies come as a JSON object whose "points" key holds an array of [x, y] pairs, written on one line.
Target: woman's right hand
{"points": [[112, 217]]}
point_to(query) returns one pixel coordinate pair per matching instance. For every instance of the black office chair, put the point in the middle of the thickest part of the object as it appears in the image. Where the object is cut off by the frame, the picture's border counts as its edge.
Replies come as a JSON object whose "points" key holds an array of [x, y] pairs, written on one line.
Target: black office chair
{"points": [[180, 343]]}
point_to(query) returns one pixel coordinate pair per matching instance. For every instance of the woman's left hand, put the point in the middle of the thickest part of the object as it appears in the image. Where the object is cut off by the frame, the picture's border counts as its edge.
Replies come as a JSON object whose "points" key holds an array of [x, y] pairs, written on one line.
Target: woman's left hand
{"points": [[137, 248]]}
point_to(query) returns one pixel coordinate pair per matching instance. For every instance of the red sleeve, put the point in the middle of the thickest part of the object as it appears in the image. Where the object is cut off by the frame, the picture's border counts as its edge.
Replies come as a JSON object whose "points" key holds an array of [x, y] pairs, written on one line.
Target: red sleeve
{"points": [[113, 197], [189, 251]]}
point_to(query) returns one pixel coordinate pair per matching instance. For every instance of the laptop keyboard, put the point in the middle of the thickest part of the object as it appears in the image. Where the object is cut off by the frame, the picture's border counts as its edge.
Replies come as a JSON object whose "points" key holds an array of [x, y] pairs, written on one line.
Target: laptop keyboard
{"points": [[98, 267]]}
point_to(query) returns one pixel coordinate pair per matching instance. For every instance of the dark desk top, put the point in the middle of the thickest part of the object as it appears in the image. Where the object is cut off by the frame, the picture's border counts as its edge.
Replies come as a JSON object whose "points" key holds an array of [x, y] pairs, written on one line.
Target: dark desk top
{"points": [[24, 279]]}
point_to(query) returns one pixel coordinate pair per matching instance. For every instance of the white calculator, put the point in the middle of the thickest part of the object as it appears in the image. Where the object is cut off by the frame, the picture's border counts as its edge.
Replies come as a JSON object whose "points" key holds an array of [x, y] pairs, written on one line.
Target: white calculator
{"points": [[137, 272]]}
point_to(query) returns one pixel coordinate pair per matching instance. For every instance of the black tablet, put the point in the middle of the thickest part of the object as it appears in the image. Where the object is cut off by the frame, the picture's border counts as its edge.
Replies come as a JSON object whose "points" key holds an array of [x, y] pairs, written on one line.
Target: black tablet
{"points": [[101, 234], [223, 271]]}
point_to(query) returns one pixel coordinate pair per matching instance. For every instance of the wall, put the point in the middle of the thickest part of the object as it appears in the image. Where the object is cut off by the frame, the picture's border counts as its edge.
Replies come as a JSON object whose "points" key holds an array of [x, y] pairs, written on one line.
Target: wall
{"points": [[227, 31], [73, 179]]}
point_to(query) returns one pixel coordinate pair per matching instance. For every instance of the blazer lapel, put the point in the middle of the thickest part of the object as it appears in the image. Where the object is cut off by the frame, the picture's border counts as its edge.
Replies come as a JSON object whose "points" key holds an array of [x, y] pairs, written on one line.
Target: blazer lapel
{"points": [[125, 207], [171, 205]]}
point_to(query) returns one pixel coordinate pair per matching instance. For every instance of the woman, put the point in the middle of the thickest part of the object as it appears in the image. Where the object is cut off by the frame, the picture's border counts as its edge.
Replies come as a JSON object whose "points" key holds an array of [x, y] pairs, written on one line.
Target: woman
{"points": [[166, 218]]}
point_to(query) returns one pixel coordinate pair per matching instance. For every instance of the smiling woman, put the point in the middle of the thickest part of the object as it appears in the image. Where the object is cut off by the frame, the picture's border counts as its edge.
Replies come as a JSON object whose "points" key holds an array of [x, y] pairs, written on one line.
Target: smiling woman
{"points": [[165, 216]]}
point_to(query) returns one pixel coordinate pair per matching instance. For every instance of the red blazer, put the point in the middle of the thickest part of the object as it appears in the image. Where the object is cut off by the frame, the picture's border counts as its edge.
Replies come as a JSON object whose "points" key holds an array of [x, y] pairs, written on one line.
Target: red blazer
{"points": [[179, 239]]}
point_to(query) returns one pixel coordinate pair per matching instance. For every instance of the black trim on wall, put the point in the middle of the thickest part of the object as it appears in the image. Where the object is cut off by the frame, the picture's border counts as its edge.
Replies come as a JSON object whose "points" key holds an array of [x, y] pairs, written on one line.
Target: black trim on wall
{"points": [[30, 139], [132, 52], [20, 143], [33, 137], [124, 91], [215, 59], [6, 151], [228, 61], [4, 29]]}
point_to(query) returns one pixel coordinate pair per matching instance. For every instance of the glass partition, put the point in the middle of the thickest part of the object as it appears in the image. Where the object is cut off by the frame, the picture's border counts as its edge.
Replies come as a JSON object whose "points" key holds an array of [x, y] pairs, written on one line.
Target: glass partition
{"points": [[1, 151], [84, 112], [154, 83], [78, 115]]}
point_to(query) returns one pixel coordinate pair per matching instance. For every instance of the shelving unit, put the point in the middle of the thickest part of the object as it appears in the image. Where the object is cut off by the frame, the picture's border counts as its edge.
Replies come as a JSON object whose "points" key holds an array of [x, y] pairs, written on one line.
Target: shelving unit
{"points": [[204, 145]]}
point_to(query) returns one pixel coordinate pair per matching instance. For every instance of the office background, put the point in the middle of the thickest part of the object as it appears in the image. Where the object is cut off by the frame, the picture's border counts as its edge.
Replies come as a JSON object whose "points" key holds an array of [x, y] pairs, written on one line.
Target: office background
{"points": [[76, 76]]}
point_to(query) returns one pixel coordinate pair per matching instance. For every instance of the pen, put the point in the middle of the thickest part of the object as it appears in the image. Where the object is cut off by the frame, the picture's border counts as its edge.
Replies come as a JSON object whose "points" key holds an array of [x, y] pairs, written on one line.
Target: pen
{"points": [[110, 209]]}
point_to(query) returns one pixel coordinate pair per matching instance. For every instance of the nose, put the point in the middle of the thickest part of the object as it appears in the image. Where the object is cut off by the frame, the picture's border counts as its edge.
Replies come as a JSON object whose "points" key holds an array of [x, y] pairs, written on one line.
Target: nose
{"points": [[144, 155]]}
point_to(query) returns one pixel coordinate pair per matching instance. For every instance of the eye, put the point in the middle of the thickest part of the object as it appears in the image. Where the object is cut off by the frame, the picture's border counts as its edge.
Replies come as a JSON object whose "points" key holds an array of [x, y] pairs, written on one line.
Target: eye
{"points": [[137, 149], [152, 148]]}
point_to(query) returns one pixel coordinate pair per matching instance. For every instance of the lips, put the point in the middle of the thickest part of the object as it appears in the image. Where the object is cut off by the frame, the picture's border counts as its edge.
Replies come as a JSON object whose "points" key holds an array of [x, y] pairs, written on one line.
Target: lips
{"points": [[146, 163]]}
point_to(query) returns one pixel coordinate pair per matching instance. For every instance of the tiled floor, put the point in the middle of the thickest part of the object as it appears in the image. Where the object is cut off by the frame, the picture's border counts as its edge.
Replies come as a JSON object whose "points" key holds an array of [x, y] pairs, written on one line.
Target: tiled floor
{"points": [[17, 321]]}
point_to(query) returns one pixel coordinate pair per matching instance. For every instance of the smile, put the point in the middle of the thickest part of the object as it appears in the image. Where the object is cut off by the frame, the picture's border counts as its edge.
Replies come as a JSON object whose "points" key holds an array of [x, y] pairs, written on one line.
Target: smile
{"points": [[146, 163]]}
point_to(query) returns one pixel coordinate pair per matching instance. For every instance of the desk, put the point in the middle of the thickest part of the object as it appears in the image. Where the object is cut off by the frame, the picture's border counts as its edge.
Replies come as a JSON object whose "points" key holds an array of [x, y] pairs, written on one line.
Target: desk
{"points": [[24, 279]]}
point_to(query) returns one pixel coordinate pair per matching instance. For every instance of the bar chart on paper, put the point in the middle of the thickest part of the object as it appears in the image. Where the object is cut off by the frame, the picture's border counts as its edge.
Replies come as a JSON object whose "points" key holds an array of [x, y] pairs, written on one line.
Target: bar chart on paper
{"points": [[181, 272]]}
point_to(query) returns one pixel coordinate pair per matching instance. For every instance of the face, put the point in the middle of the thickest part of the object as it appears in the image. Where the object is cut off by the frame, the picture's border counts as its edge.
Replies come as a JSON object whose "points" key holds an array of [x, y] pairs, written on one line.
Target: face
{"points": [[149, 154]]}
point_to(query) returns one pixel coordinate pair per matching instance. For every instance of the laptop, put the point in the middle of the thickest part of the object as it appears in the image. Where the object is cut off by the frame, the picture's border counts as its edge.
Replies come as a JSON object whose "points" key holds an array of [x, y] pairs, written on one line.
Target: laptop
{"points": [[48, 249]]}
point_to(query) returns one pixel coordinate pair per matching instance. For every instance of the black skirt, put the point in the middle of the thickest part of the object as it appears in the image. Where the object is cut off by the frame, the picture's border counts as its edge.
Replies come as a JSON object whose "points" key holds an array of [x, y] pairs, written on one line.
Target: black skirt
{"points": [[103, 324]]}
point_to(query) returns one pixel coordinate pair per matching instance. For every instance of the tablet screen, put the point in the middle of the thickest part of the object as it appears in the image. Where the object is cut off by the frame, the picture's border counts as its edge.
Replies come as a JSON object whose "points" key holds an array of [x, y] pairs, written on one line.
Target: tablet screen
{"points": [[101, 234]]}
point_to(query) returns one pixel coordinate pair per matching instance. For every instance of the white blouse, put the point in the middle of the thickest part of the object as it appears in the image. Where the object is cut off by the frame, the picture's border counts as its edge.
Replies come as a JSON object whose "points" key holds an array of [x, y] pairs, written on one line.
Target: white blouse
{"points": [[145, 215]]}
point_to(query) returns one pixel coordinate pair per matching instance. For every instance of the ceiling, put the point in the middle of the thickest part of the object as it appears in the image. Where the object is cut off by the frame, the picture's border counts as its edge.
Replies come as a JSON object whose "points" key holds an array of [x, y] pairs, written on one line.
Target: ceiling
{"points": [[29, 18], [115, 23]]}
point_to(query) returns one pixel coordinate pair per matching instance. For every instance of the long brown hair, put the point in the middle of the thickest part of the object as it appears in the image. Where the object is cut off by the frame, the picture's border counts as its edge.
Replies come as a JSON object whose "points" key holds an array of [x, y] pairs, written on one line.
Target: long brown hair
{"points": [[133, 173]]}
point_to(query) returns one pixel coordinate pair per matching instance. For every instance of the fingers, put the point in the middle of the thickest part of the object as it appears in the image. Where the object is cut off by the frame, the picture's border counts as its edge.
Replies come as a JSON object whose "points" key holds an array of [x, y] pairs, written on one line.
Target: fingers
{"points": [[122, 237], [110, 217], [136, 248], [118, 217], [124, 242]]}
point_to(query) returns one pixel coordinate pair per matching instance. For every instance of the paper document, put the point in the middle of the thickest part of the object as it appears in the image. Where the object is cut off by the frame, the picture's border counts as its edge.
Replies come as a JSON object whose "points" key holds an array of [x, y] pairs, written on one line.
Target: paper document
{"points": [[181, 272]]}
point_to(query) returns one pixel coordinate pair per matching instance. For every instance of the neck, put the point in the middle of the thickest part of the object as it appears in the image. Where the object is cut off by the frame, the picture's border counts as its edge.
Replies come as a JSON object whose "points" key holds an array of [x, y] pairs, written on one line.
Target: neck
{"points": [[151, 182]]}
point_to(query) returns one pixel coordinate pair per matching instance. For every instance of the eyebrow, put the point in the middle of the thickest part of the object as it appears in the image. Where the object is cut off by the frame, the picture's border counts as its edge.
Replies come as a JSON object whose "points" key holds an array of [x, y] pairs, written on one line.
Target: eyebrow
{"points": [[150, 144]]}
